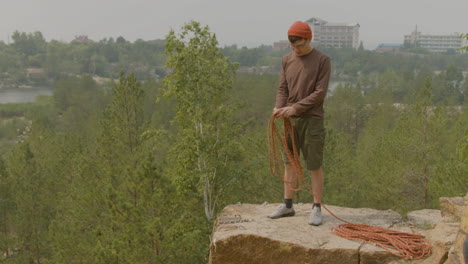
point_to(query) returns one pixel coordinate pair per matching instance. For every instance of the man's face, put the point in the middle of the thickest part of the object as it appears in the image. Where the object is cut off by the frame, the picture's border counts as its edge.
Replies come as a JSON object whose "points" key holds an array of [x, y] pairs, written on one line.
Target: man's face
{"points": [[301, 47]]}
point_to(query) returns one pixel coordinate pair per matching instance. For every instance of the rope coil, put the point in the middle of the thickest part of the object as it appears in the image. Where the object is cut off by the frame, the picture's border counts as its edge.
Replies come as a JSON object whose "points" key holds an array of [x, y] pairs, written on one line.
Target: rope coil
{"points": [[406, 245]]}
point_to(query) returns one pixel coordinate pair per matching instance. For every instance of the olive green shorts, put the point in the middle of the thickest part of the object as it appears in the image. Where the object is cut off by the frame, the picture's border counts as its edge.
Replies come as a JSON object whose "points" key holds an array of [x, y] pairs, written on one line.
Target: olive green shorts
{"points": [[309, 136]]}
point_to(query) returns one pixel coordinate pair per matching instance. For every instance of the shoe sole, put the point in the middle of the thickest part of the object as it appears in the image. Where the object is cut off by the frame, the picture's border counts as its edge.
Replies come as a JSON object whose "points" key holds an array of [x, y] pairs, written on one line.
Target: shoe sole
{"points": [[285, 215], [315, 224]]}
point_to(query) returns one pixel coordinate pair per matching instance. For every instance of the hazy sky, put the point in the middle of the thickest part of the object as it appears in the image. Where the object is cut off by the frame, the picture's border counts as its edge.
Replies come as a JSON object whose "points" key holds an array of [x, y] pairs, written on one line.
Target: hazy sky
{"points": [[240, 22]]}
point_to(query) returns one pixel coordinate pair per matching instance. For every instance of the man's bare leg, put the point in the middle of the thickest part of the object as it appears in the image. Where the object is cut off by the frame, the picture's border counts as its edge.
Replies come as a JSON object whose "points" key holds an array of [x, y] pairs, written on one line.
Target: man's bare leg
{"points": [[289, 181], [317, 184]]}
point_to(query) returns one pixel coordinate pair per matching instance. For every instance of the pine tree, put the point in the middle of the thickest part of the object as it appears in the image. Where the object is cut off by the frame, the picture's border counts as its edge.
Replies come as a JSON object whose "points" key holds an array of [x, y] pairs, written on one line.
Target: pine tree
{"points": [[421, 137], [376, 182], [7, 208], [451, 172], [32, 206]]}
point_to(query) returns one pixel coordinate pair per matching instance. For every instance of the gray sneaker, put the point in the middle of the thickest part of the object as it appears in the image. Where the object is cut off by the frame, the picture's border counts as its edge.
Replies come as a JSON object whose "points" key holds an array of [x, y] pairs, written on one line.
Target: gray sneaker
{"points": [[316, 216], [282, 211]]}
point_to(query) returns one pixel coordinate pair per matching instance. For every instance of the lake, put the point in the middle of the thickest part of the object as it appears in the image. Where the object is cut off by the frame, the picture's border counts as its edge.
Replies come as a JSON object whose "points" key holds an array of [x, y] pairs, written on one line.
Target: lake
{"points": [[22, 95]]}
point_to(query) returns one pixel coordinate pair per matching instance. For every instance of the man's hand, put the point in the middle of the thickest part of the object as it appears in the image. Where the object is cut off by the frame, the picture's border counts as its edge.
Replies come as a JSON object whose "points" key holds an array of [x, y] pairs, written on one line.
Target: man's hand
{"points": [[284, 112], [275, 112]]}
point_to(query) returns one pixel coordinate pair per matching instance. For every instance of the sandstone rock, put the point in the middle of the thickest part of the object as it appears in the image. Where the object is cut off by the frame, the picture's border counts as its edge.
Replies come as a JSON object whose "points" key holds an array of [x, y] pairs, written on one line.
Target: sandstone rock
{"points": [[243, 234], [444, 232], [464, 221], [442, 238], [455, 254], [370, 254], [426, 218], [452, 208]]}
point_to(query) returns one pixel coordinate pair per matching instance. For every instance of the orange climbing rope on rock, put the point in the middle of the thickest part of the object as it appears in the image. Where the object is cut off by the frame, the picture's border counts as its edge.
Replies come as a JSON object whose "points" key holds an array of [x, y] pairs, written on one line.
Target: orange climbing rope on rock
{"points": [[406, 245]]}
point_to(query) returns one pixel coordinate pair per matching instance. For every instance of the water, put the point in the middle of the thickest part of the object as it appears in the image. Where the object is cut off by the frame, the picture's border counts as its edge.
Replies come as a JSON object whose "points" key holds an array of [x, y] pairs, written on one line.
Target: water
{"points": [[22, 95]]}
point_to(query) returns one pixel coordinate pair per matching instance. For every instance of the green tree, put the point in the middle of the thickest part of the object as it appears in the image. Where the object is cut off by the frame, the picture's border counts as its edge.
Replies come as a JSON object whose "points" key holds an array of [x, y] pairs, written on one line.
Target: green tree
{"points": [[74, 92], [400, 160], [33, 207], [465, 37], [200, 83], [12, 64], [361, 46], [97, 65], [29, 43], [375, 182], [131, 187], [346, 110], [117, 193], [465, 92], [7, 208], [392, 83], [120, 40], [452, 177], [60, 61], [447, 86], [340, 164]]}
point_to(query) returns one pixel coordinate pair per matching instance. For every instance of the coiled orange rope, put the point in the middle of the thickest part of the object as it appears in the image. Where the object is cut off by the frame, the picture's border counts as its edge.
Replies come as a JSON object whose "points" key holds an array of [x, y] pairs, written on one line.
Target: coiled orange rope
{"points": [[406, 245]]}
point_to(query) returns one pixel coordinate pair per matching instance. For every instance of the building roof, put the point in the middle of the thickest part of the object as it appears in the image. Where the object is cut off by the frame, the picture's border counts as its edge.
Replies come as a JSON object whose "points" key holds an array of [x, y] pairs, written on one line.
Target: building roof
{"points": [[384, 45], [82, 39], [316, 20], [319, 21]]}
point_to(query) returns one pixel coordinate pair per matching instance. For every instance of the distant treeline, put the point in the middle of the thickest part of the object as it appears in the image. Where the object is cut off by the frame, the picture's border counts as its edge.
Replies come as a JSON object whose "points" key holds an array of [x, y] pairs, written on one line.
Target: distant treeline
{"points": [[146, 59]]}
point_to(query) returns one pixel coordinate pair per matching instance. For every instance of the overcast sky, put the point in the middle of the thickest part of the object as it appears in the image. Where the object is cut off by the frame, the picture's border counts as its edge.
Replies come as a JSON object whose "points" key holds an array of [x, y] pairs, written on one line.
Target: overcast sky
{"points": [[242, 22]]}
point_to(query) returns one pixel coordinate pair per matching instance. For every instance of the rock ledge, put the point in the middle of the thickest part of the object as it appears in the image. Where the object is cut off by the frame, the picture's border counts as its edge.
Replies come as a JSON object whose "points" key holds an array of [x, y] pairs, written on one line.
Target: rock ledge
{"points": [[243, 234]]}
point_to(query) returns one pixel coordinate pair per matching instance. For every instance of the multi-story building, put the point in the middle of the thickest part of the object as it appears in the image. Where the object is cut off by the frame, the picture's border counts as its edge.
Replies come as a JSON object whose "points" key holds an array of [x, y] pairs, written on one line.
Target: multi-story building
{"points": [[338, 35], [325, 34], [434, 43]]}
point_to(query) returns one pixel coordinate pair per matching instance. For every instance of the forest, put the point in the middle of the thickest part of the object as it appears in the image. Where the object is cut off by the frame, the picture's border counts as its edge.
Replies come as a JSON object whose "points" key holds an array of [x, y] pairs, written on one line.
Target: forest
{"points": [[143, 143]]}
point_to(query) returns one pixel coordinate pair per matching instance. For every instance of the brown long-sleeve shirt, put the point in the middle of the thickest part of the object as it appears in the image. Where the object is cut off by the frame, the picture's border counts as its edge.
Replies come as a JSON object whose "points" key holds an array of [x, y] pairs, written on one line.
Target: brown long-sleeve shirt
{"points": [[304, 83]]}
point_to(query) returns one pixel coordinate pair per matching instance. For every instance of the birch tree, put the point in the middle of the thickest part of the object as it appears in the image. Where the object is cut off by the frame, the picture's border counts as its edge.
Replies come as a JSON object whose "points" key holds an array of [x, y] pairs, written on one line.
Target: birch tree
{"points": [[206, 143]]}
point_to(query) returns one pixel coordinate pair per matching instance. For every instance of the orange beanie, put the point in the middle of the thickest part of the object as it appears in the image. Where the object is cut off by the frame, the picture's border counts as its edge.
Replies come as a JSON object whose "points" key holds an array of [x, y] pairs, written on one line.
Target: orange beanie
{"points": [[300, 29]]}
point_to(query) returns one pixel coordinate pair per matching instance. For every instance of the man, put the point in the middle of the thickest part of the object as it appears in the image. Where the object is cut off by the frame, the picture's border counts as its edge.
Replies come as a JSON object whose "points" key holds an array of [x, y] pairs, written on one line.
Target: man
{"points": [[303, 86]]}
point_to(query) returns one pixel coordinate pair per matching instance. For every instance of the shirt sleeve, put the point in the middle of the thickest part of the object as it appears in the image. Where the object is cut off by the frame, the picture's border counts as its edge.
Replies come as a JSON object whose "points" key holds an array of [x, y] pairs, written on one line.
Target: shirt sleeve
{"points": [[318, 95], [282, 93]]}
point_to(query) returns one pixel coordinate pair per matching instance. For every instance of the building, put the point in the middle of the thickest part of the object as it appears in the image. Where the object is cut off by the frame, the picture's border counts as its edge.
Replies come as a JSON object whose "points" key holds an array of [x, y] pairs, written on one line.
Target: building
{"points": [[281, 45], [388, 47], [434, 43], [337, 35], [81, 39]]}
